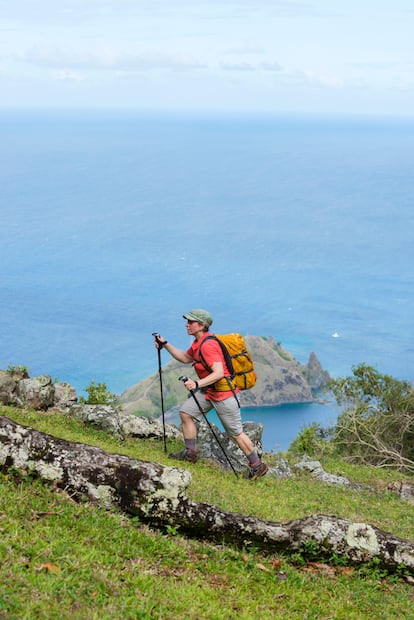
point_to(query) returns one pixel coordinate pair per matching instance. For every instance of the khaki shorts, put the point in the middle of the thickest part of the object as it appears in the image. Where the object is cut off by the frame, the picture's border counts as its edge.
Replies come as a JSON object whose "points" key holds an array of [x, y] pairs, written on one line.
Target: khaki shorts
{"points": [[228, 411]]}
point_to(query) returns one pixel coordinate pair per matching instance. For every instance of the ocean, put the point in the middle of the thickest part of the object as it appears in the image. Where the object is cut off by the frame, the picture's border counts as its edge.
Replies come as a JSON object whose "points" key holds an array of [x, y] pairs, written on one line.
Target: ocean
{"points": [[116, 223]]}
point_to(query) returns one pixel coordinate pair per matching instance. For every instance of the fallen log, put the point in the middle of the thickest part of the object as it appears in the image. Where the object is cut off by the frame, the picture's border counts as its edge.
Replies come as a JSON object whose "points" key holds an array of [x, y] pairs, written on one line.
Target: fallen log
{"points": [[156, 494]]}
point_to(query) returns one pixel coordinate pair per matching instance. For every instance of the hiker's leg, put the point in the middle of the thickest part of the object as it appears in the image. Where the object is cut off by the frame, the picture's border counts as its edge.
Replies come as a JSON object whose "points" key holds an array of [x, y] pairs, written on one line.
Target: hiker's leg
{"points": [[190, 414], [245, 444], [256, 467], [228, 411], [229, 414], [189, 430], [188, 426]]}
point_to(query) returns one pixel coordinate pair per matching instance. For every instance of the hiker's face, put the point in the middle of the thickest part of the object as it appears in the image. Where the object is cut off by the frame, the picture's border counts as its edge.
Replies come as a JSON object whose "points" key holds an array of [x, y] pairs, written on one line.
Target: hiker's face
{"points": [[194, 327]]}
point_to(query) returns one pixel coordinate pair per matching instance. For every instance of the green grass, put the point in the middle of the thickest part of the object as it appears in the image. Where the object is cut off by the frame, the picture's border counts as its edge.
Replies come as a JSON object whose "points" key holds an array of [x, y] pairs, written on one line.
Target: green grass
{"points": [[62, 560]]}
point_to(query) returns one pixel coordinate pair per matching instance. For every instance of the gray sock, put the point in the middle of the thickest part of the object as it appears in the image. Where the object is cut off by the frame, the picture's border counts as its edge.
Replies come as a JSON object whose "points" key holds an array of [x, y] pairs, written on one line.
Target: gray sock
{"points": [[253, 458], [190, 444]]}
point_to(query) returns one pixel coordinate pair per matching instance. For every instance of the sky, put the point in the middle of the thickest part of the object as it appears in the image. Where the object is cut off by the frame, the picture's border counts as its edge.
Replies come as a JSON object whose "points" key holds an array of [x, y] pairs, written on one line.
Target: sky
{"points": [[322, 57]]}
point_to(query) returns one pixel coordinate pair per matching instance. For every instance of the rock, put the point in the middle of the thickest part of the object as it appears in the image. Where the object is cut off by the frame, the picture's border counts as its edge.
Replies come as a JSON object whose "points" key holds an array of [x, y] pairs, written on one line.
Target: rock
{"points": [[316, 377], [16, 388], [104, 417], [65, 395], [8, 389], [142, 427], [317, 471], [404, 490], [111, 419], [281, 469], [37, 393]]}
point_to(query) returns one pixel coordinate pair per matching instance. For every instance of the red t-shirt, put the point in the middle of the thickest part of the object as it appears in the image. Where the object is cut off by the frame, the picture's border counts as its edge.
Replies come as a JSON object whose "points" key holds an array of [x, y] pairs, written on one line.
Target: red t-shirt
{"points": [[211, 353]]}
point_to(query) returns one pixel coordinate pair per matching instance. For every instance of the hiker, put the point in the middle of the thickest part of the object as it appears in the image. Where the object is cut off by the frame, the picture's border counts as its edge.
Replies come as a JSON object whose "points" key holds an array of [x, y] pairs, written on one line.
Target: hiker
{"points": [[224, 402]]}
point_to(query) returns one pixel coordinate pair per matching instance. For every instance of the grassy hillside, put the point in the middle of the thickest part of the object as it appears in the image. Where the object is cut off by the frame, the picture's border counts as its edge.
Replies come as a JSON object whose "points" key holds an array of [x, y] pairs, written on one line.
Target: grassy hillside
{"points": [[64, 560]]}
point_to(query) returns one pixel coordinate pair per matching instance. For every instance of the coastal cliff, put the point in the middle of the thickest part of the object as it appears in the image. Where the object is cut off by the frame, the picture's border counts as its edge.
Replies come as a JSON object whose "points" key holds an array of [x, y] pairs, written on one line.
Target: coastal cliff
{"points": [[280, 380]]}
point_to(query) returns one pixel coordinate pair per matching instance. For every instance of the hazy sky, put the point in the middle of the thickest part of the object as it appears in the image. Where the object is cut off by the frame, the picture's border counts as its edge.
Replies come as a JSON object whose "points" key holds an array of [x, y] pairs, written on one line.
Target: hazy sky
{"points": [[300, 56]]}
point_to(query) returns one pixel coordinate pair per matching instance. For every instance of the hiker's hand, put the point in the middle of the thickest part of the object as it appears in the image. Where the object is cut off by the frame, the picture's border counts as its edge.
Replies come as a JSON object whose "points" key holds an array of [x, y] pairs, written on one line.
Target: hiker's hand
{"points": [[190, 384], [159, 341]]}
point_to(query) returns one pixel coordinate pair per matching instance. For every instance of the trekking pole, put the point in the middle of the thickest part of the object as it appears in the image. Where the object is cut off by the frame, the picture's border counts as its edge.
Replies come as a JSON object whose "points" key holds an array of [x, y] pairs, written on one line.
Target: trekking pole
{"points": [[184, 379], [156, 335]]}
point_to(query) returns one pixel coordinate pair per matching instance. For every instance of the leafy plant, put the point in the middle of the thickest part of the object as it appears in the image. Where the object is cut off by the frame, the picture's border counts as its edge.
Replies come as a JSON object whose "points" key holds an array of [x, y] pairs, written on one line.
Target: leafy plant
{"points": [[172, 530], [311, 440], [98, 394], [18, 370]]}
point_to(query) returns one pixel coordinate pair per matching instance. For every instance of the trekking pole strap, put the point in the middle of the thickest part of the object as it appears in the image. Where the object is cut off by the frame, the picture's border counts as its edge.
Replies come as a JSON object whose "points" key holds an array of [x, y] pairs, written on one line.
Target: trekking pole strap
{"points": [[161, 343]]}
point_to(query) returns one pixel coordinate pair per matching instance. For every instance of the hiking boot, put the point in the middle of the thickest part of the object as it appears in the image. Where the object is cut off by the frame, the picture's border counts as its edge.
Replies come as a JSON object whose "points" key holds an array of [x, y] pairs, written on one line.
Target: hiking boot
{"points": [[257, 471], [185, 455]]}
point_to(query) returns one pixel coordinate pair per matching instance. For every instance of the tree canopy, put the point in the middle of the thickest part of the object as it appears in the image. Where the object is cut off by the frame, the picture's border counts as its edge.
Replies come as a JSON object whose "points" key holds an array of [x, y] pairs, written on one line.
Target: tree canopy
{"points": [[376, 426]]}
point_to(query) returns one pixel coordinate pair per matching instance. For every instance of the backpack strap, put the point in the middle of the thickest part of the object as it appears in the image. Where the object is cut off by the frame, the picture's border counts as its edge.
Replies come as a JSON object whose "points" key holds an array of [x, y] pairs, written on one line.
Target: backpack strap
{"points": [[226, 354], [227, 359]]}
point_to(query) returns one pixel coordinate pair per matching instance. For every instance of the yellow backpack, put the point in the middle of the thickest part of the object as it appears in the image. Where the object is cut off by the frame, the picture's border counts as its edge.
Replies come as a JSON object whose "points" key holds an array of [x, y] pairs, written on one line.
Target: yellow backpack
{"points": [[238, 361]]}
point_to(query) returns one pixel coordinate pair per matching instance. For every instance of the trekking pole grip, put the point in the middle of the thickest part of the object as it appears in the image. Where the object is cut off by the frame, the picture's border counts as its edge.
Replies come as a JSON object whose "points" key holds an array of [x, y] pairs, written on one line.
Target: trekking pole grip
{"points": [[157, 338], [183, 378]]}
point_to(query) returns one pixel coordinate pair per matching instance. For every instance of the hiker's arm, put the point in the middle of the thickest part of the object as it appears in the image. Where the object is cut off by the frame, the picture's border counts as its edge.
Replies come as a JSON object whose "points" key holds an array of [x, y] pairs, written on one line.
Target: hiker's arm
{"points": [[178, 354], [217, 373]]}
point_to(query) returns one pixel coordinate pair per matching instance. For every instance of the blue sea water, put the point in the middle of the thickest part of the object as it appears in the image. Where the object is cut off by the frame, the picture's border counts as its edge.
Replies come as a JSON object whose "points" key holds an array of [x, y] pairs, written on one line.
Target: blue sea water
{"points": [[114, 224]]}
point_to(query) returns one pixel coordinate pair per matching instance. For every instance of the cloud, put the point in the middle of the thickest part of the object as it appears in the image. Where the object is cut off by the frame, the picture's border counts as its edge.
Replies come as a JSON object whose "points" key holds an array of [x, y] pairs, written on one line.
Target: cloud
{"points": [[288, 76], [107, 59], [68, 76], [237, 66], [248, 66], [270, 66], [315, 79], [384, 65], [246, 48]]}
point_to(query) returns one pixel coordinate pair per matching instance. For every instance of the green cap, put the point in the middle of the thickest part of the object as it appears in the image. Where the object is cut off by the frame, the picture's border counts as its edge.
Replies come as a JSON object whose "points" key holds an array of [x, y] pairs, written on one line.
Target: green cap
{"points": [[201, 316]]}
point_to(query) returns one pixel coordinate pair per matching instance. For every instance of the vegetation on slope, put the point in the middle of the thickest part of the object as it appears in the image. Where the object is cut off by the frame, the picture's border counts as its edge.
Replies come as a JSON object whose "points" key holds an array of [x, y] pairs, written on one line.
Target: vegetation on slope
{"points": [[64, 560]]}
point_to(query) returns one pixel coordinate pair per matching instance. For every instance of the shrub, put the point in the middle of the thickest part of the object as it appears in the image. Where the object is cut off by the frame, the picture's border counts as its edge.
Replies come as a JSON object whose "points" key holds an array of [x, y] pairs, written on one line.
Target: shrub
{"points": [[376, 426], [311, 440], [19, 371], [98, 394]]}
